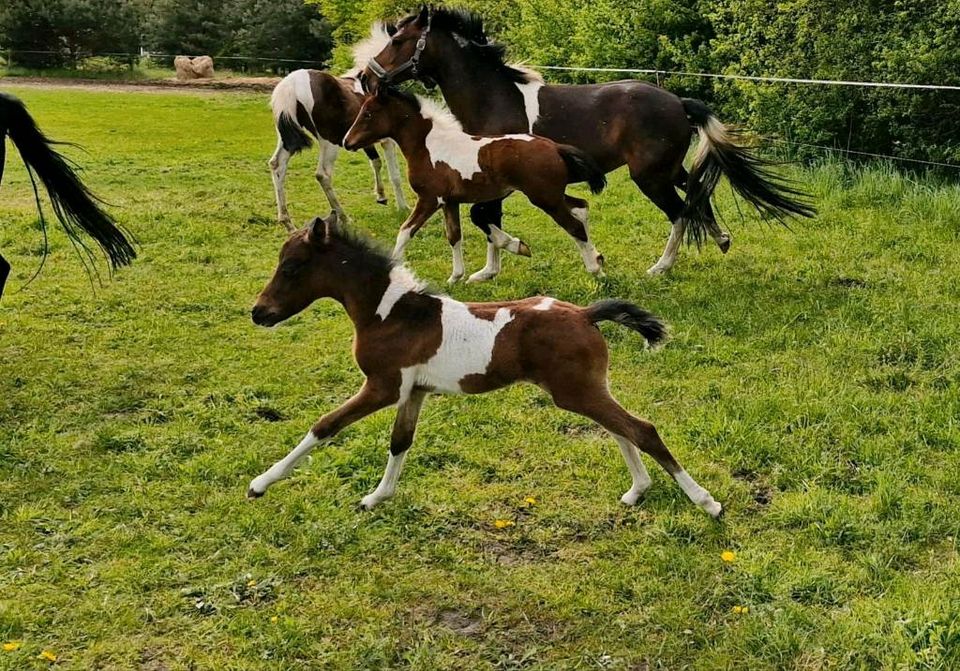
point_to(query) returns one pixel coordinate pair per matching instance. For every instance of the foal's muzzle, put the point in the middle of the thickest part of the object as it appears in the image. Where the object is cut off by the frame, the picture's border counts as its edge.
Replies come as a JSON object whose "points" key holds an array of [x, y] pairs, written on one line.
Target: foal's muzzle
{"points": [[264, 316]]}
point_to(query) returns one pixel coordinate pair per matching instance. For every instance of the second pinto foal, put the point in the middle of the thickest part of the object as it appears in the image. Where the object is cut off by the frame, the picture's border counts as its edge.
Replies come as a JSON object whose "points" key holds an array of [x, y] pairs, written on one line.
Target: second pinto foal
{"points": [[447, 166], [411, 343]]}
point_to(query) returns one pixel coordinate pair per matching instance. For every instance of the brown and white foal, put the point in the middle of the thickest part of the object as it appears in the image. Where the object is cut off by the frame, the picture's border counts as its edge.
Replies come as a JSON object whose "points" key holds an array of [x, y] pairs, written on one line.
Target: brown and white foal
{"points": [[410, 343], [447, 166], [314, 103]]}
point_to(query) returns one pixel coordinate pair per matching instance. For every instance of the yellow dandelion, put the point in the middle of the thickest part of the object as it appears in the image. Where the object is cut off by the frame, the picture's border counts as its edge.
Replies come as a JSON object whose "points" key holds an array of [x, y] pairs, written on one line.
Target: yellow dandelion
{"points": [[47, 655], [251, 583], [503, 524], [728, 556], [11, 646], [741, 610], [530, 501], [274, 619]]}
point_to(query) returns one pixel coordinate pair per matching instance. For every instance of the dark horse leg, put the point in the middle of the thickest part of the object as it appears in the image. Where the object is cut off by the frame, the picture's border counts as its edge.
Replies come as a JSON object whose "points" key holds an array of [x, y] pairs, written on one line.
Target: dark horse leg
{"points": [[487, 217], [4, 266], [720, 236]]}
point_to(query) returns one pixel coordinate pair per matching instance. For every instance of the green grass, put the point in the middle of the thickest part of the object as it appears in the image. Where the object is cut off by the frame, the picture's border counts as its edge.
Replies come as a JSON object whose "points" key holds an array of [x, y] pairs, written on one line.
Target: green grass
{"points": [[812, 383]]}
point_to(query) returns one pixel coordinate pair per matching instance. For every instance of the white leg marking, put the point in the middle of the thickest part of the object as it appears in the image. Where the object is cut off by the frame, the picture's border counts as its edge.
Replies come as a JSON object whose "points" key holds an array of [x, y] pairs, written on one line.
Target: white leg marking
{"points": [[504, 240], [393, 170], [403, 238], [697, 494], [375, 165], [328, 156], [278, 170], [492, 269], [669, 256], [458, 269], [282, 468], [388, 483], [641, 479], [590, 256]]}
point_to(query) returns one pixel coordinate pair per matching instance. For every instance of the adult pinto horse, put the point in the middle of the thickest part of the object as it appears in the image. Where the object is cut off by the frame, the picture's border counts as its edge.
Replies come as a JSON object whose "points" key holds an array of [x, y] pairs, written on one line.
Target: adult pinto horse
{"points": [[629, 123], [75, 207]]}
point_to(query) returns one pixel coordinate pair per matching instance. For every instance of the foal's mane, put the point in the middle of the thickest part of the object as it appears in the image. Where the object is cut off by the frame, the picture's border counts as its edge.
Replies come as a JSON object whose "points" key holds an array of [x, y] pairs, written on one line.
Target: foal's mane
{"points": [[469, 26], [368, 254]]}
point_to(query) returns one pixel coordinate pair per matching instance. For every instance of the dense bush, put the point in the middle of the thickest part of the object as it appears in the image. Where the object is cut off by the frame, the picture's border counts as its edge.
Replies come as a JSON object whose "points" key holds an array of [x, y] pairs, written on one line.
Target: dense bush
{"points": [[873, 40]]}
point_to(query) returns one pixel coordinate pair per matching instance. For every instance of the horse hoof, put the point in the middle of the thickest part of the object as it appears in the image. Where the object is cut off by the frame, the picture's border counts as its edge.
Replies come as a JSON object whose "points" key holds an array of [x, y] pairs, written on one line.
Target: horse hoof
{"points": [[254, 494], [656, 270], [725, 245], [714, 510], [523, 249], [480, 276], [453, 279], [381, 201], [631, 498], [368, 502]]}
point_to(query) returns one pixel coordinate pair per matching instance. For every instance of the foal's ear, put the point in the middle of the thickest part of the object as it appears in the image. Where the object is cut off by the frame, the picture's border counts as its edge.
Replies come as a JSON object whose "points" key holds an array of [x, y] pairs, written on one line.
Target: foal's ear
{"points": [[423, 16], [331, 225], [320, 230]]}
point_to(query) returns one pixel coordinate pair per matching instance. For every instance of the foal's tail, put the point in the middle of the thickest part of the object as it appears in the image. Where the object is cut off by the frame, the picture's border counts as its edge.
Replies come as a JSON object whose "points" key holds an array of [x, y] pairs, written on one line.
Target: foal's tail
{"points": [[582, 168], [75, 207], [627, 314], [749, 175], [284, 104]]}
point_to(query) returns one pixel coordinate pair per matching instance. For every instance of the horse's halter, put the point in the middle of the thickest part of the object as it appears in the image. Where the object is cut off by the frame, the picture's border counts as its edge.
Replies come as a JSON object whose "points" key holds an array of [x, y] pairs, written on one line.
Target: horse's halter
{"points": [[386, 78]]}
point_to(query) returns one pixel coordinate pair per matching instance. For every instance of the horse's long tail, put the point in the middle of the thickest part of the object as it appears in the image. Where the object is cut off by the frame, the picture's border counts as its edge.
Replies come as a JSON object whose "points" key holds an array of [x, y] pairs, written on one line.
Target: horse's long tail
{"points": [[750, 176], [284, 104], [582, 168], [627, 314], [76, 208]]}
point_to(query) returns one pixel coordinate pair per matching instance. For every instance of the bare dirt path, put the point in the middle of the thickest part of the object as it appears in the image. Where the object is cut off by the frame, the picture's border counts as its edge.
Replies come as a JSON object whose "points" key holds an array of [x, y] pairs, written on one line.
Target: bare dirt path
{"points": [[242, 84]]}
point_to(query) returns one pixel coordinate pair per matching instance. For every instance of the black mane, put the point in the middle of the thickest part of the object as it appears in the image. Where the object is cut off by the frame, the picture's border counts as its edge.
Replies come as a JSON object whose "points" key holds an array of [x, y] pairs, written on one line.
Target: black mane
{"points": [[369, 255], [469, 26]]}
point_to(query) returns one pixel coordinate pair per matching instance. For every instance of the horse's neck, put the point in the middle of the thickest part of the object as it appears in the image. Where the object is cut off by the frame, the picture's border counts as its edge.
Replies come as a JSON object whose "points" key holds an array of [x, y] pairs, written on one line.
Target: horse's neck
{"points": [[360, 299], [411, 137], [489, 104]]}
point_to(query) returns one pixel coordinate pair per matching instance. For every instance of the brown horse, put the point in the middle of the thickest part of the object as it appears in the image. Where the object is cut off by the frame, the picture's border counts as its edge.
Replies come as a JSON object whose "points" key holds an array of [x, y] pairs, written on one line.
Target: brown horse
{"points": [[628, 123], [75, 207], [447, 167], [312, 102], [411, 343]]}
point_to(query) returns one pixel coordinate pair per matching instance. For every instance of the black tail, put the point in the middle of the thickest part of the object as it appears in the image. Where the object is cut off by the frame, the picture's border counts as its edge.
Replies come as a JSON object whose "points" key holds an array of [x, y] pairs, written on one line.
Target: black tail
{"points": [[294, 138], [627, 314], [749, 175], [582, 168], [76, 208]]}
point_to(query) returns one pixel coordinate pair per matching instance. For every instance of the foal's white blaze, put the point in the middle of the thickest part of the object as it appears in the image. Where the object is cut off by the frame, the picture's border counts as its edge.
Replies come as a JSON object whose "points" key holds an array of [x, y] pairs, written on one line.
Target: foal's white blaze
{"points": [[388, 483], [448, 143], [545, 304], [282, 468], [531, 101], [641, 479], [402, 282], [697, 494], [466, 347]]}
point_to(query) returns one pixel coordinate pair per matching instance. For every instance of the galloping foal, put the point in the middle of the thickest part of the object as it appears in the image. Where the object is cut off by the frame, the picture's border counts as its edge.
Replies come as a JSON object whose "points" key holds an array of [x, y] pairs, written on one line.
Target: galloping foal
{"points": [[311, 102], [410, 343], [447, 166]]}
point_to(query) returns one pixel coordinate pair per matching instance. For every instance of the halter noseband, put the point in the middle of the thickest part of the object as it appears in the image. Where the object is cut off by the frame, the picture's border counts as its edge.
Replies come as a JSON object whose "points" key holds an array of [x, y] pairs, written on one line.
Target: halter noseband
{"points": [[387, 77]]}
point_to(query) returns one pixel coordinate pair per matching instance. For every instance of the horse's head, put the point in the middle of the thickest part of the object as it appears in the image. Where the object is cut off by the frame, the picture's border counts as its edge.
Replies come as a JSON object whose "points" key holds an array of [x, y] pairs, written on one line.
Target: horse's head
{"points": [[375, 121], [308, 270], [400, 59]]}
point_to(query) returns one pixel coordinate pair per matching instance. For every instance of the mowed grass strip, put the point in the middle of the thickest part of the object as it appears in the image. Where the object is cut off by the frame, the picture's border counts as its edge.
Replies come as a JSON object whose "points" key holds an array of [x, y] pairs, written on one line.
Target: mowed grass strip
{"points": [[812, 384]]}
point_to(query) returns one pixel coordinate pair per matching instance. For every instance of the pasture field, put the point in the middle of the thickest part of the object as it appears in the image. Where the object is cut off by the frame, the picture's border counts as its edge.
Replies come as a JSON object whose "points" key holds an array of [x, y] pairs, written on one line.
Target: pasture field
{"points": [[812, 384]]}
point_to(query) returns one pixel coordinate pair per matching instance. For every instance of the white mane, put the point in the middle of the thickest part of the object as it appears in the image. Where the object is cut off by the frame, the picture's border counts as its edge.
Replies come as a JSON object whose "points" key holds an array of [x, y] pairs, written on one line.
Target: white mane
{"points": [[369, 47], [441, 117]]}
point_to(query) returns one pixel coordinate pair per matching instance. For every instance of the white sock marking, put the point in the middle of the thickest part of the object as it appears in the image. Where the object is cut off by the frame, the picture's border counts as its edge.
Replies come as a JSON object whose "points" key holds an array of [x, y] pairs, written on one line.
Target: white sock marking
{"points": [[388, 483], [641, 479], [696, 493], [282, 468]]}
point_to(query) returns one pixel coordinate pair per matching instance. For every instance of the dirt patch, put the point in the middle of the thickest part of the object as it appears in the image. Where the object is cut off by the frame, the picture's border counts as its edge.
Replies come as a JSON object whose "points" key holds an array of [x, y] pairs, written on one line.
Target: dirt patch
{"points": [[460, 623], [242, 84]]}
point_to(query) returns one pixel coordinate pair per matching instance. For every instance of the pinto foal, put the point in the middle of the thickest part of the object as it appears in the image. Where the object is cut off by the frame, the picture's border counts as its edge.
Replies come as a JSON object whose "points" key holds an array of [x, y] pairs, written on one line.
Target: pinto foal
{"points": [[447, 166], [410, 343]]}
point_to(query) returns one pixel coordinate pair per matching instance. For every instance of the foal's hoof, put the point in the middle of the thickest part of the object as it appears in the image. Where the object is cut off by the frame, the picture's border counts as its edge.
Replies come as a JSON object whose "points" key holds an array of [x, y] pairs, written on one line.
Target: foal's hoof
{"points": [[453, 279], [656, 270], [254, 494], [481, 276], [724, 244], [714, 510], [381, 201], [523, 249], [631, 498], [368, 502]]}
